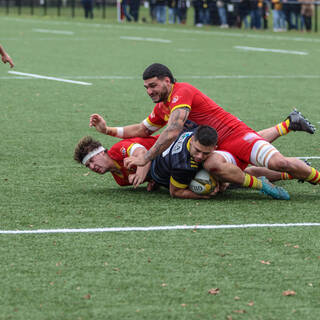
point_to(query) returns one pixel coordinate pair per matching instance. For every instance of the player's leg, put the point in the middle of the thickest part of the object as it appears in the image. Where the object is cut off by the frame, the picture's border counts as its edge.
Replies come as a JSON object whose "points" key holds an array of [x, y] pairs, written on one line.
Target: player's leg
{"points": [[271, 175], [264, 154], [294, 122], [221, 167], [296, 168]]}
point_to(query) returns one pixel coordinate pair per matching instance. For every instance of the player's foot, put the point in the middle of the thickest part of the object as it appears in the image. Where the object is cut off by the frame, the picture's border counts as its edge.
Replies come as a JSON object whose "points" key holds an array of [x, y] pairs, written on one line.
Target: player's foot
{"points": [[273, 191], [299, 123]]}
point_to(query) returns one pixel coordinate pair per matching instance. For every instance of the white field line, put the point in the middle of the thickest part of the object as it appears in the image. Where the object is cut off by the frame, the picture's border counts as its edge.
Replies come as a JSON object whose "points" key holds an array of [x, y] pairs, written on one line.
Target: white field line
{"points": [[163, 228], [271, 50], [308, 157], [207, 77], [70, 33], [49, 78], [145, 39], [101, 26]]}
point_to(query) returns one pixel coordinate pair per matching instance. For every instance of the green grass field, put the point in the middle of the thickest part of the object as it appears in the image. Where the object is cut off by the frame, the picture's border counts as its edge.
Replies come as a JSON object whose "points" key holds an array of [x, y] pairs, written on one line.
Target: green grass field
{"points": [[149, 274]]}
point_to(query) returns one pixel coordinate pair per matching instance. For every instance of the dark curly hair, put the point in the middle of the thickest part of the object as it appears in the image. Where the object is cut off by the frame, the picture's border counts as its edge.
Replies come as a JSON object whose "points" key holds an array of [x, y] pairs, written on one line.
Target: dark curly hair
{"points": [[84, 146], [206, 135], [158, 70]]}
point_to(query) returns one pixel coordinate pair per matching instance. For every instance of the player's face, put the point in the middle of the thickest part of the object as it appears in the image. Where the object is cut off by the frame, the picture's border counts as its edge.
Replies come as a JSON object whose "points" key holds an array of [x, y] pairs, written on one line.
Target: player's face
{"points": [[158, 89], [200, 152], [98, 163]]}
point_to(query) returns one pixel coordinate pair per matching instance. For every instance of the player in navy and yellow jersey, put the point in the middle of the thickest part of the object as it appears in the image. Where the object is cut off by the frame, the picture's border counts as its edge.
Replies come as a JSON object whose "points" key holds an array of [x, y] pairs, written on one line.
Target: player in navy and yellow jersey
{"points": [[174, 168], [177, 102]]}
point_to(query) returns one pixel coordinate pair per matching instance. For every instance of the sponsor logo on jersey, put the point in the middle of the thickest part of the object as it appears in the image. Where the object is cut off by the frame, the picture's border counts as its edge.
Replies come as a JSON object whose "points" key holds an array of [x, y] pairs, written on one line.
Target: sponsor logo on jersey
{"points": [[179, 144], [175, 99], [123, 151]]}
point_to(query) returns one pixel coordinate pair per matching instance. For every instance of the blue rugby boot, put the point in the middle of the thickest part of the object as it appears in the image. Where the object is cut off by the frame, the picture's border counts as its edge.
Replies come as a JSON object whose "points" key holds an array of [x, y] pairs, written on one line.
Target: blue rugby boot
{"points": [[274, 191]]}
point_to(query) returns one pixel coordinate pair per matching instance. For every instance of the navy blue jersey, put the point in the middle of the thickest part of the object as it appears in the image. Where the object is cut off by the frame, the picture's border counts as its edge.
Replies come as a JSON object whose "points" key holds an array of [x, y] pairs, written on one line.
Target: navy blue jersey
{"points": [[175, 165]]}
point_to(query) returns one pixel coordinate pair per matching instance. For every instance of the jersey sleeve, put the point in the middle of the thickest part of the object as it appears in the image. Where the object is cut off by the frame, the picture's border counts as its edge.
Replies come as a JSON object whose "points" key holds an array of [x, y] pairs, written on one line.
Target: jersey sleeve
{"points": [[123, 149], [181, 98], [181, 178], [156, 119]]}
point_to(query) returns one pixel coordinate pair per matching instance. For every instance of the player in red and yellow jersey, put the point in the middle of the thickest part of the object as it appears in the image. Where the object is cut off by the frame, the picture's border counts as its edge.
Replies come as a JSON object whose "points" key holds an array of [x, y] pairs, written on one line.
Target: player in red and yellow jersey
{"points": [[177, 102], [100, 160]]}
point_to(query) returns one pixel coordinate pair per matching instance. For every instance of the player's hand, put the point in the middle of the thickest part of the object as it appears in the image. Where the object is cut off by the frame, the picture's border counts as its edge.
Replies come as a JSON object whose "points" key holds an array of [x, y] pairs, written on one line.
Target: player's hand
{"points": [[132, 161], [6, 58], [98, 122], [135, 179]]}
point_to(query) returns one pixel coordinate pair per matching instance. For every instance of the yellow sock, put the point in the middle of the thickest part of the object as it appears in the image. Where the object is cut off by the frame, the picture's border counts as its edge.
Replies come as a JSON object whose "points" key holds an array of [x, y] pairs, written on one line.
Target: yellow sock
{"points": [[283, 127], [252, 182], [286, 176], [314, 176]]}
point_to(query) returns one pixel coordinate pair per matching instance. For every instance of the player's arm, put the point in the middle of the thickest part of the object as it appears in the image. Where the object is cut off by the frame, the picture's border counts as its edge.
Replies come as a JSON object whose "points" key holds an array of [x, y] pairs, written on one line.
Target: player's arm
{"points": [[174, 127], [141, 173], [134, 130], [5, 57], [187, 194]]}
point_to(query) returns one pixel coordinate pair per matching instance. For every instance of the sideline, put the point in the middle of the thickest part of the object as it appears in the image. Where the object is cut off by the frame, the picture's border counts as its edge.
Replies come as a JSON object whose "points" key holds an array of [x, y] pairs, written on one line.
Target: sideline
{"points": [[163, 228]]}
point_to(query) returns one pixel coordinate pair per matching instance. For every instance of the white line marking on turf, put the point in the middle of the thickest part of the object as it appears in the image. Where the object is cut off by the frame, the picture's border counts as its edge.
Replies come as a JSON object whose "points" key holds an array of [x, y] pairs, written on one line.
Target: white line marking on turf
{"points": [[49, 78], [70, 33], [163, 228], [271, 50], [308, 157], [100, 26], [208, 77], [145, 39]]}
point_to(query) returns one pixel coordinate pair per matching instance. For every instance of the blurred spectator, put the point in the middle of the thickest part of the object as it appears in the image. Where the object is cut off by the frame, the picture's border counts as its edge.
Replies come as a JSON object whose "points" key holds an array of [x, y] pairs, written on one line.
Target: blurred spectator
{"points": [[222, 14], [161, 11], [181, 11], [307, 10], [264, 5], [277, 16], [125, 7], [88, 8], [171, 11], [134, 9], [152, 10], [196, 5], [204, 13], [255, 14], [243, 13]]}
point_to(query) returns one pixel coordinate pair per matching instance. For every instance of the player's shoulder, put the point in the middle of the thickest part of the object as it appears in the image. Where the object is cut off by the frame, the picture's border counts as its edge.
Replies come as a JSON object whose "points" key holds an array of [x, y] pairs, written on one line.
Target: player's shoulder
{"points": [[180, 150]]}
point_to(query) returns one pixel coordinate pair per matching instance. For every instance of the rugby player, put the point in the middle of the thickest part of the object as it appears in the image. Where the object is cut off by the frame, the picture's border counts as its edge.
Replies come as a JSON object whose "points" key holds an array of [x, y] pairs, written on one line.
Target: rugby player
{"points": [[176, 102], [174, 168]]}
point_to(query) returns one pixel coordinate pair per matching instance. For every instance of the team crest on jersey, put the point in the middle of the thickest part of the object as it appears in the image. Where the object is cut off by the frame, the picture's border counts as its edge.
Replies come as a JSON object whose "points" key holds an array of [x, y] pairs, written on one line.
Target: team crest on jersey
{"points": [[123, 151], [175, 99]]}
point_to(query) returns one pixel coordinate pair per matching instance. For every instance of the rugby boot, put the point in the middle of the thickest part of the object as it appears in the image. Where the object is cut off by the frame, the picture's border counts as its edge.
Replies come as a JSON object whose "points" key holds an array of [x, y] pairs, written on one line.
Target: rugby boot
{"points": [[273, 191], [299, 123]]}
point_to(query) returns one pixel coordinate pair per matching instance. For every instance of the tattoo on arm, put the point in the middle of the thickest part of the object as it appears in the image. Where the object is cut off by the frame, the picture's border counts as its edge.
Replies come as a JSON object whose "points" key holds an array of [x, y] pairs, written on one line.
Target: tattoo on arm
{"points": [[175, 126]]}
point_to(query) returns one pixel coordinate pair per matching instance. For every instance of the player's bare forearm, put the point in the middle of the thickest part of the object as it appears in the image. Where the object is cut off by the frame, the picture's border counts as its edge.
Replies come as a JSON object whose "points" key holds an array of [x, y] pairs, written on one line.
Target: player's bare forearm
{"points": [[134, 130], [172, 131], [185, 193]]}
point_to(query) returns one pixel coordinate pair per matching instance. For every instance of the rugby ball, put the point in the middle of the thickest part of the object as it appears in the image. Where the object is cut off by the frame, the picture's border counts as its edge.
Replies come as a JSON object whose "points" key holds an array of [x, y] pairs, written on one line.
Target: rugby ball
{"points": [[202, 183]]}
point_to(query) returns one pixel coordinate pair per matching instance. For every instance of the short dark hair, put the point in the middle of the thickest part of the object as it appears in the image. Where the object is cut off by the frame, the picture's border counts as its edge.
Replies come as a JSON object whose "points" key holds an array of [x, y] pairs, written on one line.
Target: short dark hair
{"points": [[206, 135], [158, 70], [84, 146]]}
